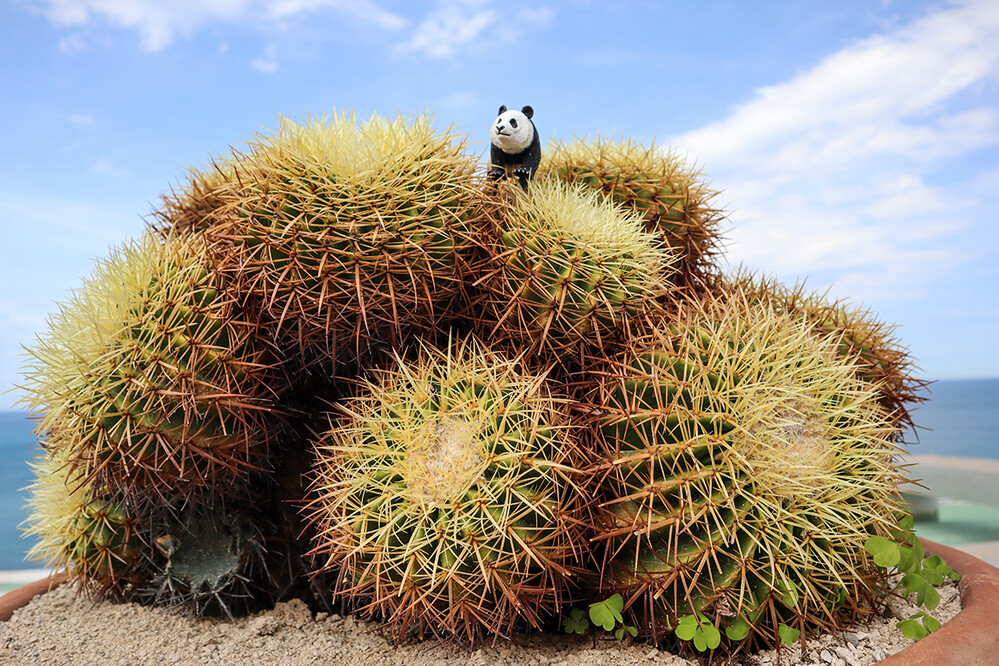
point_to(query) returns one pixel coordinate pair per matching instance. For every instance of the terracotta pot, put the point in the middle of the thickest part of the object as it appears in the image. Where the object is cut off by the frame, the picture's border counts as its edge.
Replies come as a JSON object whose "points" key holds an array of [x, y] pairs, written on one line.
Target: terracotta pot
{"points": [[971, 637], [14, 599]]}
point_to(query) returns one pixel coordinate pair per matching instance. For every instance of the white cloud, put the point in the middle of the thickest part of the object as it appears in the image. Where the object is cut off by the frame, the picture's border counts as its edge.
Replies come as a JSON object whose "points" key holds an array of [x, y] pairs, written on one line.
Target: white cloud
{"points": [[447, 29], [362, 9], [104, 167], [452, 25], [160, 22], [73, 44], [832, 173], [456, 26], [82, 120], [266, 63]]}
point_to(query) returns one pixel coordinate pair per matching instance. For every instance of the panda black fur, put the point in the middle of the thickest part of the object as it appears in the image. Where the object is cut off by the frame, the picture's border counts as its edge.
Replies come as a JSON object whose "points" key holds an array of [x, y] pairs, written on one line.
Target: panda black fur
{"points": [[516, 147]]}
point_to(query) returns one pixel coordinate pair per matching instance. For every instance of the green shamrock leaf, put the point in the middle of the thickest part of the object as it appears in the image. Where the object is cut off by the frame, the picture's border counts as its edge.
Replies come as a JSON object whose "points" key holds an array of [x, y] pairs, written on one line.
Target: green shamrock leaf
{"points": [[738, 630], [912, 629], [576, 623], [607, 613], [885, 551], [686, 627], [788, 636]]}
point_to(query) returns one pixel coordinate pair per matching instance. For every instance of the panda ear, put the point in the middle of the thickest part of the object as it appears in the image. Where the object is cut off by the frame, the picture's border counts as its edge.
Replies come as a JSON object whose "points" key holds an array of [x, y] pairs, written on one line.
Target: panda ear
{"points": [[502, 110], [528, 111]]}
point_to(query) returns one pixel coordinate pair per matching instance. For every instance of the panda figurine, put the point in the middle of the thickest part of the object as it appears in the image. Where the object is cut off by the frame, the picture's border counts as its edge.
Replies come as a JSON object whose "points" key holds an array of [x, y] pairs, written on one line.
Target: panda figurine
{"points": [[516, 147]]}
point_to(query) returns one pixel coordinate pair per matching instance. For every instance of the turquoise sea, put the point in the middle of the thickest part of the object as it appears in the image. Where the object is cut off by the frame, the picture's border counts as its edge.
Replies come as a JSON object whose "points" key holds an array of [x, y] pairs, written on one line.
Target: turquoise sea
{"points": [[17, 449], [959, 420]]}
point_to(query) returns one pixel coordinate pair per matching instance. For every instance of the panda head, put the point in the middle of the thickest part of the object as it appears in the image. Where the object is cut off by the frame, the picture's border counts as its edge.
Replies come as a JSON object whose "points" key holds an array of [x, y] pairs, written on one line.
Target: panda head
{"points": [[513, 131]]}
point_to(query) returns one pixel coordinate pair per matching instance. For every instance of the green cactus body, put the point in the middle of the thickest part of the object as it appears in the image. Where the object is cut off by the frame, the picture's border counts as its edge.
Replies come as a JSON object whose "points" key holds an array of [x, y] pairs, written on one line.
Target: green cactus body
{"points": [[350, 232], [151, 381], [90, 535], [203, 559], [745, 467], [658, 186], [572, 270], [880, 359], [208, 560], [445, 497]]}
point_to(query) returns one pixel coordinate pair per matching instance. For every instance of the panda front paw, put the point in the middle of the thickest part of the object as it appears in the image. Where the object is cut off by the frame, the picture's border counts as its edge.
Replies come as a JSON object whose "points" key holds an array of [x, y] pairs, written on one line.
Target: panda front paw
{"points": [[495, 173]]}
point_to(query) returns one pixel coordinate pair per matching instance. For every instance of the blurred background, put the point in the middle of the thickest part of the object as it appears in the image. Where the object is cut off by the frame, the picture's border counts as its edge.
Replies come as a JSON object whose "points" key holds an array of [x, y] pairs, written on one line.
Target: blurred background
{"points": [[855, 145]]}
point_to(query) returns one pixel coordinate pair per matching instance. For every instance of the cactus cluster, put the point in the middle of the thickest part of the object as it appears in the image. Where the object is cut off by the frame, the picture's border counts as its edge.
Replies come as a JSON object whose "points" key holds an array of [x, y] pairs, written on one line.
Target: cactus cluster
{"points": [[341, 365]]}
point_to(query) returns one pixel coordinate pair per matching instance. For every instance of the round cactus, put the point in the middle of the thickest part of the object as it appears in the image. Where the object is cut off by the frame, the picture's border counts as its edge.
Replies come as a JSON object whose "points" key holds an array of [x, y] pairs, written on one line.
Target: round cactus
{"points": [[571, 270], [445, 497], [665, 192], [350, 235], [154, 382], [745, 467], [880, 359], [90, 535]]}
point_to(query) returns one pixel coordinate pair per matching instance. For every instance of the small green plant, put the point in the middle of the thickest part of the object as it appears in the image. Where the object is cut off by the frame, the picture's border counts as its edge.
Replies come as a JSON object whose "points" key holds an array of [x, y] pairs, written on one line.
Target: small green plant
{"points": [[914, 629], [920, 575], [698, 629], [605, 614], [788, 635], [576, 622]]}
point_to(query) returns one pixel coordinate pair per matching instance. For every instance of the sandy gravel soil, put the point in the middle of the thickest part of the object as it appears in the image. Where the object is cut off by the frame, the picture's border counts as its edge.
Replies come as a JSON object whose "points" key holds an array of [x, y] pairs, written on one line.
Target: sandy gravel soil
{"points": [[60, 629]]}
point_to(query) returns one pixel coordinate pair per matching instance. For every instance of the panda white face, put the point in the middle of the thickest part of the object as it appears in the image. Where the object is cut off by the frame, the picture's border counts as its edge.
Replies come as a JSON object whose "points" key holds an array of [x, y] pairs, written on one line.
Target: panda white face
{"points": [[512, 132]]}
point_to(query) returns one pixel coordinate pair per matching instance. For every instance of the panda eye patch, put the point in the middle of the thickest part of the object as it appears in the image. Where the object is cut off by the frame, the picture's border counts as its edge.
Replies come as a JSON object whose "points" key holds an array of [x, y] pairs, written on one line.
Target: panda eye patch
{"points": [[513, 122]]}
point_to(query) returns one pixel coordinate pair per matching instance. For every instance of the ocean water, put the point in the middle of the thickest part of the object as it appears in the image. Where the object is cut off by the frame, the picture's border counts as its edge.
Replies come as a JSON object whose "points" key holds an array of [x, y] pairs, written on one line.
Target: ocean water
{"points": [[960, 419], [17, 448]]}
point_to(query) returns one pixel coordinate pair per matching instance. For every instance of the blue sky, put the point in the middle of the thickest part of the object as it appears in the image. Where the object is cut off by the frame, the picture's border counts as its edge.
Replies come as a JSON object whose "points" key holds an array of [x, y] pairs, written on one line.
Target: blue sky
{"points": [[856, 143]]}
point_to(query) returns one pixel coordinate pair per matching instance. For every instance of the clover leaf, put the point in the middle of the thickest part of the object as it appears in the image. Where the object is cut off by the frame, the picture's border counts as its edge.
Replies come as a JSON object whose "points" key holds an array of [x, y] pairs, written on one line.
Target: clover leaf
{"points": [[698, 629], [885, 551], [788, 636], [576, 623], [607, 613], [738, 630]]}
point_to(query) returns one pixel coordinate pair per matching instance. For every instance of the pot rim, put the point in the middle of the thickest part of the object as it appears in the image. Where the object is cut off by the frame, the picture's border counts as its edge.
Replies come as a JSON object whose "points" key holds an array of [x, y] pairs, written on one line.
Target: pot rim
{"points": [[20, 597]]}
